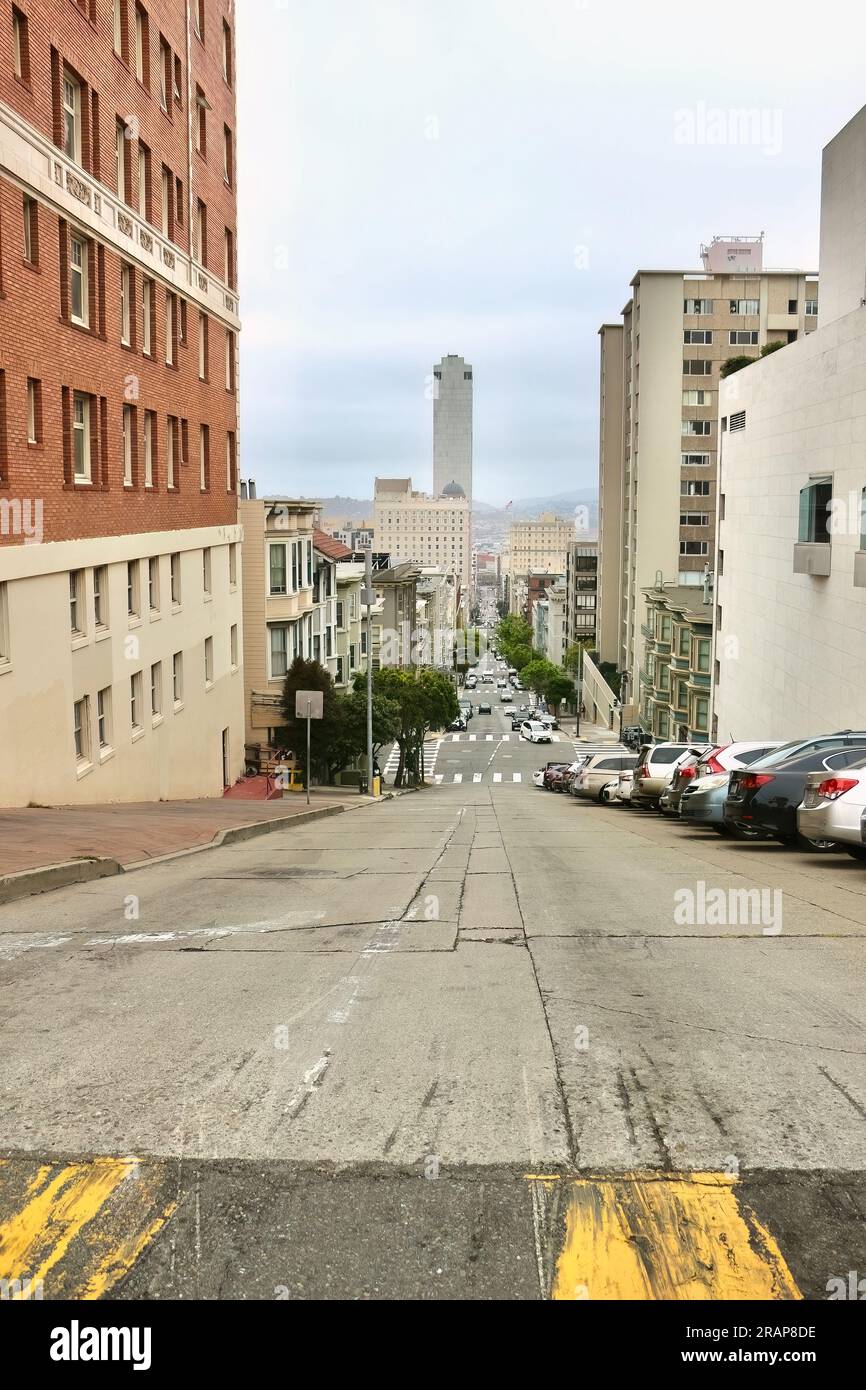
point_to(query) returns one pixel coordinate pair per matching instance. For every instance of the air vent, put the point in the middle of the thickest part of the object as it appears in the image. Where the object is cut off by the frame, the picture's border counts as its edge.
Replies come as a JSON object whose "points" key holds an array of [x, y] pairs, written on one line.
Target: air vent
{"points": [[738, 421]]}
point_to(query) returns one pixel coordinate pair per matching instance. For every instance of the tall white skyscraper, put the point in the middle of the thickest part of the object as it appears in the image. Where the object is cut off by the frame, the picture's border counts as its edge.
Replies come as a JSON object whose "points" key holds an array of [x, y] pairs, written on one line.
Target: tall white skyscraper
{"points": [[452, 425]]}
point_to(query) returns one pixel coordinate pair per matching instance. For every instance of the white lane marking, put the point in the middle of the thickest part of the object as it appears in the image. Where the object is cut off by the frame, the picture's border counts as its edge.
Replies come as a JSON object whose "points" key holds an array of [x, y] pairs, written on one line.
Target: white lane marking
{"points": [[476, 776], [309, 1084], [489, 738], [455, 738], [497, 776], [517, 777], [506, 738], [438, 778], [472, 738], [458, 777]]}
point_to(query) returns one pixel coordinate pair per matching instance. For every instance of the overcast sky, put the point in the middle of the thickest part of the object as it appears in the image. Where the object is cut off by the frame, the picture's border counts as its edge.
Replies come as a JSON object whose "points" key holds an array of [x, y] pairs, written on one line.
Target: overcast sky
{"points": [[483, 177]]}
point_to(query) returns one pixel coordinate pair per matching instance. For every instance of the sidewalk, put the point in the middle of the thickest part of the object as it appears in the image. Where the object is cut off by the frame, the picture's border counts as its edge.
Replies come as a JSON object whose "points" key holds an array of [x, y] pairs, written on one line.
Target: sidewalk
{"points": [[589, 733], [34, 837]]}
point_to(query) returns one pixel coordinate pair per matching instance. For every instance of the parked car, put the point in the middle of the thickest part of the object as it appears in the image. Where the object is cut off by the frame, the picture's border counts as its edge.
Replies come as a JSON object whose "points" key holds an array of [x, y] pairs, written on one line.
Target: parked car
{"points": [[538, 777], [703, 797], [656, 764], [669, 801], [598, 770], [633, 736], [485, 707], [557, 781], [501, 684], [517, 721], [487, 678], [549, 719], [624, 785], [549, 770], [534, 732], [458, 725], [765, 797], [835, 808], [466, 708]]}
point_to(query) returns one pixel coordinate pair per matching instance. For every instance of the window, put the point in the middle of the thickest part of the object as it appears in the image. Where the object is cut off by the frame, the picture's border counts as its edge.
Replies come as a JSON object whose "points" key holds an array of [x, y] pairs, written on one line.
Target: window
{"points": [[34, 410], [204, 457], [81, 436], [695, 487], [80, 730], [121, 145], [132, 605], [202, 346], [233, 565], [815, 501], [166, 202], [230, 361], [100, 596], [277, 569], [165, 73], [229, 257], [125, 306], [694, 518], [135, 701], [697, 306], [685, 642], [792, 306], [144, 180], [201, 105], [178, 201], [227, 53], [103, 718], [174, 571], [228, 158], [693, 427], [340, 622], [128, 435], [694, 547], [76, 603], [703, 655], [208, 661], [233, 645], [739, 338], [698, 335], [147, 298], [200, 242], [199, 18], [695, 460], [745, 306], [153, 584], [279, 650], [811, 308], [149, 432], [702, 713], [206, 570], [177, 678], [117, 17], [31, 230], [231, 469], [20, 45], [156, 690], [170, 446], [692, 367], [71, 116], [78, 281], [142, 46], [178, 81], [697, 398], [170, 328]]}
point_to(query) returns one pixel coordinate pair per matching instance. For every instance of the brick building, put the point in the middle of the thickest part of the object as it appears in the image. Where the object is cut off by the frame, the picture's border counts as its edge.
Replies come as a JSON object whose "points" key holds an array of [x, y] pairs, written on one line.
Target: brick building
{"points": [[120, 585]]}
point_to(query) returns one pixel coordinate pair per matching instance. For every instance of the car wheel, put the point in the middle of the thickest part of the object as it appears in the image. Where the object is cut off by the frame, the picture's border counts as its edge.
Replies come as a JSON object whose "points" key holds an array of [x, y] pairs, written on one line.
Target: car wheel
{"points": [[856, 851]]}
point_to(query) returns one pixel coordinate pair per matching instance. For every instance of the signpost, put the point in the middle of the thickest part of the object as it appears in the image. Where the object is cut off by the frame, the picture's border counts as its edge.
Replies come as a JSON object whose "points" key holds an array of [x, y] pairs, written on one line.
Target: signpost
{"points": [[368, 598], [309, 704]]}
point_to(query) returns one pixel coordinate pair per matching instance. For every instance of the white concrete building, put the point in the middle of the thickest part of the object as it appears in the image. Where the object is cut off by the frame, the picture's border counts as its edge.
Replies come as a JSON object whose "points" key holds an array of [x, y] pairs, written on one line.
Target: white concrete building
{"points": [[790, 642], [452, 425]]}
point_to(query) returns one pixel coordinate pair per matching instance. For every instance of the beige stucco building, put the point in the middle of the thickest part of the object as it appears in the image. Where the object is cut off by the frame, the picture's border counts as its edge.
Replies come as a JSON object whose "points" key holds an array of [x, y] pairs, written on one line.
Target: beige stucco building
{"points": [[429, 531], [278, 575], [657, 487]]}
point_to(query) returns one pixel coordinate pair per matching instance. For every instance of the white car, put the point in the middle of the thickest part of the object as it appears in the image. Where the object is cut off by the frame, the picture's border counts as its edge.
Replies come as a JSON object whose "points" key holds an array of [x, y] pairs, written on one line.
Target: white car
{"points": [[534, 732], [834, 808], [538, 777], [624, 785]]}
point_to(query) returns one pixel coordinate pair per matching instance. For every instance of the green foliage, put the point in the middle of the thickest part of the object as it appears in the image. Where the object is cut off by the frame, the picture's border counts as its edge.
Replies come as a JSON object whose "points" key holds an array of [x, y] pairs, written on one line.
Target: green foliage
{"points": [[325, 733], [772, 347], [560, 687], [513, 634], [736, 364], [423, 700], [537, 675]]}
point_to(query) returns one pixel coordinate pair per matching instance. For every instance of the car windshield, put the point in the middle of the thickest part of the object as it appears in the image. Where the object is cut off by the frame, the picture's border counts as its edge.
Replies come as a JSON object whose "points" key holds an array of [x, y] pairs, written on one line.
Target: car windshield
{"points": [[789, 750]]}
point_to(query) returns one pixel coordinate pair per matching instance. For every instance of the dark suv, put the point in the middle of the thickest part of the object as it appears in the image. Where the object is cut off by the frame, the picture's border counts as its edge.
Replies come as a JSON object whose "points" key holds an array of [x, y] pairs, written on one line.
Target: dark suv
{"points": [[764, 797]]}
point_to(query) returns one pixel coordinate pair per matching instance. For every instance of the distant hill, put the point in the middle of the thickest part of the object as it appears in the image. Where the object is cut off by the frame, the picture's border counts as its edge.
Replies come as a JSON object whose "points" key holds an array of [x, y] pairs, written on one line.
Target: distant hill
{"points": [[523, 508]]}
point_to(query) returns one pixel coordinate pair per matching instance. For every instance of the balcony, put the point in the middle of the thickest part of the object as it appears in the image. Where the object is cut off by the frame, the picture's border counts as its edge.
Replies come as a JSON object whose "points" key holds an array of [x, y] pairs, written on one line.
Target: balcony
{"points": [[813, 557]]}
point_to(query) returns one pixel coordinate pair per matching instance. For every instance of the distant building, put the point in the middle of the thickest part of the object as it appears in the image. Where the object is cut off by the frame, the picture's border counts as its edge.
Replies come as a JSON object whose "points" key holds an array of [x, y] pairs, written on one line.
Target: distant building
{"points": [[675, 679], [452, 426], [581, 582], [429, 531]]}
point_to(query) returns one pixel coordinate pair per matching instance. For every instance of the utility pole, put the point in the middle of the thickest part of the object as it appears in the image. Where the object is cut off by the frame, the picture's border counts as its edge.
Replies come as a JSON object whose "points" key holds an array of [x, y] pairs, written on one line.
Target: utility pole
{"points": [[368, 597]]}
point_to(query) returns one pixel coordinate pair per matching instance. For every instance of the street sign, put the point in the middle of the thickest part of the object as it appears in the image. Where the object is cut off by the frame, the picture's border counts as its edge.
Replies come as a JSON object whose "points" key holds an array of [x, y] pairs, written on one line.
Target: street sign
{"points": [[309, 704]]}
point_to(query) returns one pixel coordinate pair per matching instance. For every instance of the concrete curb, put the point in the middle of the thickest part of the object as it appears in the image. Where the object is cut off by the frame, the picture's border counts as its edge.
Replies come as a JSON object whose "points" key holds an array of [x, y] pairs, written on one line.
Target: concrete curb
{"points": [[46, 877], [234, 834]]}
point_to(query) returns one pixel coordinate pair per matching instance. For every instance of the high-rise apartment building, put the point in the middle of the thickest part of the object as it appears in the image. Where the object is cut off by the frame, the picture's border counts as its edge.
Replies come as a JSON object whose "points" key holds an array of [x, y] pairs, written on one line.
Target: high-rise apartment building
{"points": [[659, 426], [429, 531], [452, 425], [120, 593]]}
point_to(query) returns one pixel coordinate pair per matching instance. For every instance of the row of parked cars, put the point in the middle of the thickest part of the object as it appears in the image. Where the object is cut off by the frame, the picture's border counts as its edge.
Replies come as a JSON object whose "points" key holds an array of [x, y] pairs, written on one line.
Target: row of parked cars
{"points": [[806, 792]]}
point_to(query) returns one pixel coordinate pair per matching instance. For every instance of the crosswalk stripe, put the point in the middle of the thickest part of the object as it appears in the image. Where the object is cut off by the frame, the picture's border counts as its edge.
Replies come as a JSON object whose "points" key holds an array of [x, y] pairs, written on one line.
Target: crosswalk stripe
{"points": [[472, 738], [455, 738], [476, 776], [517, 777], [458, 777], [438, 778], [489, 738], [497, 776], [506, 738]]}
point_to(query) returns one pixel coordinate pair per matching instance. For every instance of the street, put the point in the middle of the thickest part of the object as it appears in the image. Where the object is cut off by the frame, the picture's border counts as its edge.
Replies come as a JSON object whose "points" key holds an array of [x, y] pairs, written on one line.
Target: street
{"points": [[453, 1045]]}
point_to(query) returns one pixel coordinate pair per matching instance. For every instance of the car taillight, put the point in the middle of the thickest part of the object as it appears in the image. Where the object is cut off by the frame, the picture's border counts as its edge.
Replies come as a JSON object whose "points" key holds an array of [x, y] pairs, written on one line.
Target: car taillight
{"points": [[687, 772], [832, 787], [750, 781], [713, 765], [642, 771]]}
